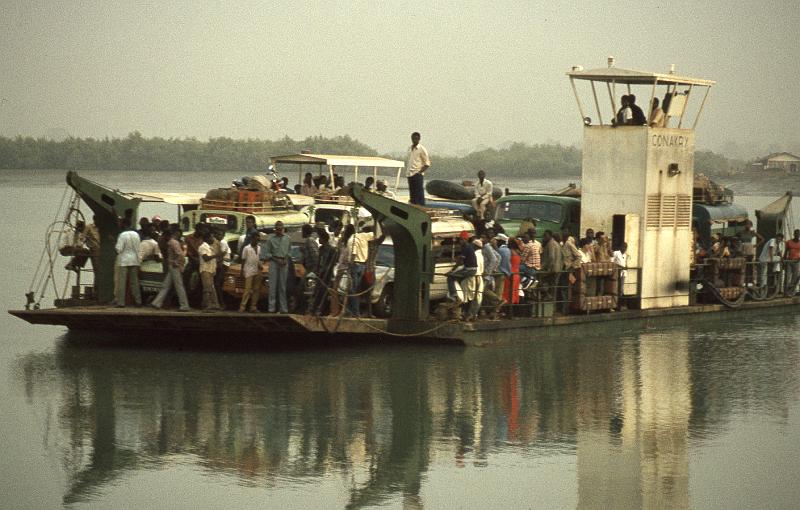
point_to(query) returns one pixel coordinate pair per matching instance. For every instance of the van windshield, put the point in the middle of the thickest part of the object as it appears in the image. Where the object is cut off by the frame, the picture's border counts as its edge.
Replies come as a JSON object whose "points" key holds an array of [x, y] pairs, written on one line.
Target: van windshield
{"points": [[327, 216], [540, 211]]}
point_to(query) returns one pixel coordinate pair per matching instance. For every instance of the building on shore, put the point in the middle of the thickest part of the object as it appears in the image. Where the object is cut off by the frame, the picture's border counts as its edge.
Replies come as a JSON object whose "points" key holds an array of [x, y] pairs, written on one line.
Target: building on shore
{"points": [[782, 161]]}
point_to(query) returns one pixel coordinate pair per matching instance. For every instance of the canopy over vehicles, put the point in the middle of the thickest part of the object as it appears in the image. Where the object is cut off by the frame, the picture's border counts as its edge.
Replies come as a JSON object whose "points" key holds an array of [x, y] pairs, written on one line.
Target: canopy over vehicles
{"points": [[348, 168]]}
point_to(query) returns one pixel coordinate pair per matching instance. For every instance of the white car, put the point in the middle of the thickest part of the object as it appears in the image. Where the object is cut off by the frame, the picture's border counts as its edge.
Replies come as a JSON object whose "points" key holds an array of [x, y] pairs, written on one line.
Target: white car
{"points": [[445, 248]]}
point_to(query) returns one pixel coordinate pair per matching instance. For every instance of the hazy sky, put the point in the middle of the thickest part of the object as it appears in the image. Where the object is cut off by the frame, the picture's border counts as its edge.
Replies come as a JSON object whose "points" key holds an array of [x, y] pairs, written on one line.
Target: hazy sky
{"points": [[463, 73]]}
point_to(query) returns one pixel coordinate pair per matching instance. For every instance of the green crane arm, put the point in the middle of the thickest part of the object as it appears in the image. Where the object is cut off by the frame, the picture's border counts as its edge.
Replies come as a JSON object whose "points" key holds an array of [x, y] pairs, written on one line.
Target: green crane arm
{"points": [[108, 206], [410, 229]]}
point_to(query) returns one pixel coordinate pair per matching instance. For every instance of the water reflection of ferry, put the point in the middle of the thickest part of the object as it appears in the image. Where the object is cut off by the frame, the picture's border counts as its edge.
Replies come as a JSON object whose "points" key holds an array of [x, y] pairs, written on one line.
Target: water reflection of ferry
{"points": [[637, 185], [625, 409]]}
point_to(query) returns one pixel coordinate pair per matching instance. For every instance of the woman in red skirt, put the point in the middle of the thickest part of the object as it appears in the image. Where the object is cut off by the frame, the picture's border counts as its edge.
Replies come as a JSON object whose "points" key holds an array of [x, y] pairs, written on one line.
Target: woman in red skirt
{"points": [[511, 291]]}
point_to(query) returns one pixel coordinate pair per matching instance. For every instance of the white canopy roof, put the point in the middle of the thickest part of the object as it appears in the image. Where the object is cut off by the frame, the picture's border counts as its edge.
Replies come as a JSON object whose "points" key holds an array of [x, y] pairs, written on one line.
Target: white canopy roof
{"points": [[169, 198], [633, 77], [336, 160]]}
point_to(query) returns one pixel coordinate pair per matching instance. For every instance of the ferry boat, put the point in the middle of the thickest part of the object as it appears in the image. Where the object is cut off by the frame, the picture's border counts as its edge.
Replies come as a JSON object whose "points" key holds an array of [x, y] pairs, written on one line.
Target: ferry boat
{"points": [[637, 185]]}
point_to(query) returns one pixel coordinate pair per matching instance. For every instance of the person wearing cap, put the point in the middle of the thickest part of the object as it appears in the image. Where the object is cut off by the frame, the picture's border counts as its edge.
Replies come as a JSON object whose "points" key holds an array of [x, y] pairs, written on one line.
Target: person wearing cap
{"points": [[417, 163], [771, 253], [504, 267], [380, 189], [468, 269], [483, 194]]}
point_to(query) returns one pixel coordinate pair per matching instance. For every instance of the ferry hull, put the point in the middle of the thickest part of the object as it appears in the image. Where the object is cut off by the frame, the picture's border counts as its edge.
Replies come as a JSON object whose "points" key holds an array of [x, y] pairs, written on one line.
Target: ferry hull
{"points": [[276, 329]]}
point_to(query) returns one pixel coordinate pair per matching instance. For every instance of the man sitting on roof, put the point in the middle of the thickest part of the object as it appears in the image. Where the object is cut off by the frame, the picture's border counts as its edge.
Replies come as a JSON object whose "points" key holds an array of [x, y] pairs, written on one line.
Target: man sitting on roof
{"points": [[483, 194]]}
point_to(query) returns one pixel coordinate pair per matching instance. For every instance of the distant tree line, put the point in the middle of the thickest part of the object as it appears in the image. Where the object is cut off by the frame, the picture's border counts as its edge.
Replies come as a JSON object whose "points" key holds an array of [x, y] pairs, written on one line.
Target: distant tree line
{"points": [[711, 163], [136, 152], [171, 154], [517, 161]]}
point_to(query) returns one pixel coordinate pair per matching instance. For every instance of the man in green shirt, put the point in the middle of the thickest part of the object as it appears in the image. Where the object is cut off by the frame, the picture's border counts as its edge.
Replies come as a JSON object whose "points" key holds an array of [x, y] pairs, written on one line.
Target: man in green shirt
{"points": [[277, 252]]}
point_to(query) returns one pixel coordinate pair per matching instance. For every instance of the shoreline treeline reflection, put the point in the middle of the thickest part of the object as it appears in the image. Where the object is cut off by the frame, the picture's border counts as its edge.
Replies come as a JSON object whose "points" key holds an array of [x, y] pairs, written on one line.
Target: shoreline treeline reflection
{"points": [[627, 409]]}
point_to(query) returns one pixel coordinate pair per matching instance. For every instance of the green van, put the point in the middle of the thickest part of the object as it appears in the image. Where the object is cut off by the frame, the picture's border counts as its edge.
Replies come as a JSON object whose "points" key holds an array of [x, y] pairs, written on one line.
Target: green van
{"points": [[551, 212]]}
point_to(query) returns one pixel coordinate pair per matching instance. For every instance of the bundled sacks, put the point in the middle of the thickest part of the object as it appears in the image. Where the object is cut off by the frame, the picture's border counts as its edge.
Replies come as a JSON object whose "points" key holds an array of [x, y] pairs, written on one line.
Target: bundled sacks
{"points": [[225, 194]]}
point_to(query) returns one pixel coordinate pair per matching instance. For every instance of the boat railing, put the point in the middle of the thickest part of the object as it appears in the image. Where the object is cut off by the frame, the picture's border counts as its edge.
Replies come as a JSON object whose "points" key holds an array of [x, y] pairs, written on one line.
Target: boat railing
{"points": [[592, 287], [732, 280]]}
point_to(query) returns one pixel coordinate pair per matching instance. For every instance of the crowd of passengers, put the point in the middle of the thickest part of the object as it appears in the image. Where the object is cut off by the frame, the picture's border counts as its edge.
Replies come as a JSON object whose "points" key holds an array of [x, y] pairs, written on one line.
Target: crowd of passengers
{"points": [[776, 256], [492, 268]]}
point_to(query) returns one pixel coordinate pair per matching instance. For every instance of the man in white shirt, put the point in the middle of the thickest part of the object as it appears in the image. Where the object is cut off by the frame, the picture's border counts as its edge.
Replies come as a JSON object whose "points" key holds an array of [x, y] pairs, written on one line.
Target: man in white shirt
{"points": [[208, 268], [624, 115], [251, 270], [223, 252], [416, 163], [483, 194], [771, 252], [128, 260], [148, 247], [620, 258]]}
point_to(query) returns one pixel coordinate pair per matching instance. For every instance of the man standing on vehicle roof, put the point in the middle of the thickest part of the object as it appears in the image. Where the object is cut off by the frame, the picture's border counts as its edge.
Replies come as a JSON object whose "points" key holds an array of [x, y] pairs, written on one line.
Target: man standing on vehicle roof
{"points": [[417, 163]]}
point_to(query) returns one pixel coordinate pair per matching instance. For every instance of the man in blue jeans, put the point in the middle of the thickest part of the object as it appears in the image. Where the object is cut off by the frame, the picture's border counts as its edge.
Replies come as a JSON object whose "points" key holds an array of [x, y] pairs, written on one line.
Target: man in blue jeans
{"points": [[416, 163], [359, 246], [468, 269]]}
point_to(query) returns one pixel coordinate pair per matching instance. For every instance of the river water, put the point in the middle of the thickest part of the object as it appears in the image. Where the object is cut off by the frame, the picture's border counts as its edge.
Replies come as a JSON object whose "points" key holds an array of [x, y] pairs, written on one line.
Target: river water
{"points": [[702, 414]]}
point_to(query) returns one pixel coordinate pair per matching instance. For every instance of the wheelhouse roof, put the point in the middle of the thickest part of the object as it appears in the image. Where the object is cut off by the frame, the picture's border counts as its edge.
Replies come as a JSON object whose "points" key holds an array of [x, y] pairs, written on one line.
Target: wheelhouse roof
{"points": [[337, 160], [634, 77]]}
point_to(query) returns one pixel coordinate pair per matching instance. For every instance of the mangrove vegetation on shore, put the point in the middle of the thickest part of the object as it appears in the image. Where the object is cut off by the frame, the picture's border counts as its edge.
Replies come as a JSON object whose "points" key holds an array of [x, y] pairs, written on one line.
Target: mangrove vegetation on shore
{"points": [[250, 156]]}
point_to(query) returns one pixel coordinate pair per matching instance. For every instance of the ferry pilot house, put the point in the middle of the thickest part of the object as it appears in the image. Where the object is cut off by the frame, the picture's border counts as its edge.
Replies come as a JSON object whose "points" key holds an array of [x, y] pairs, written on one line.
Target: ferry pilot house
{"points": [[638, 170]]}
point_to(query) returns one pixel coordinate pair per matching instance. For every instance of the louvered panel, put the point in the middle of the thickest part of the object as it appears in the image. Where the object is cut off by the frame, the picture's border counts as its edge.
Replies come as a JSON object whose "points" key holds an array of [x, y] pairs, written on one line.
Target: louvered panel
{"points": [[684, 214], [653, 211], [669, 205]]}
